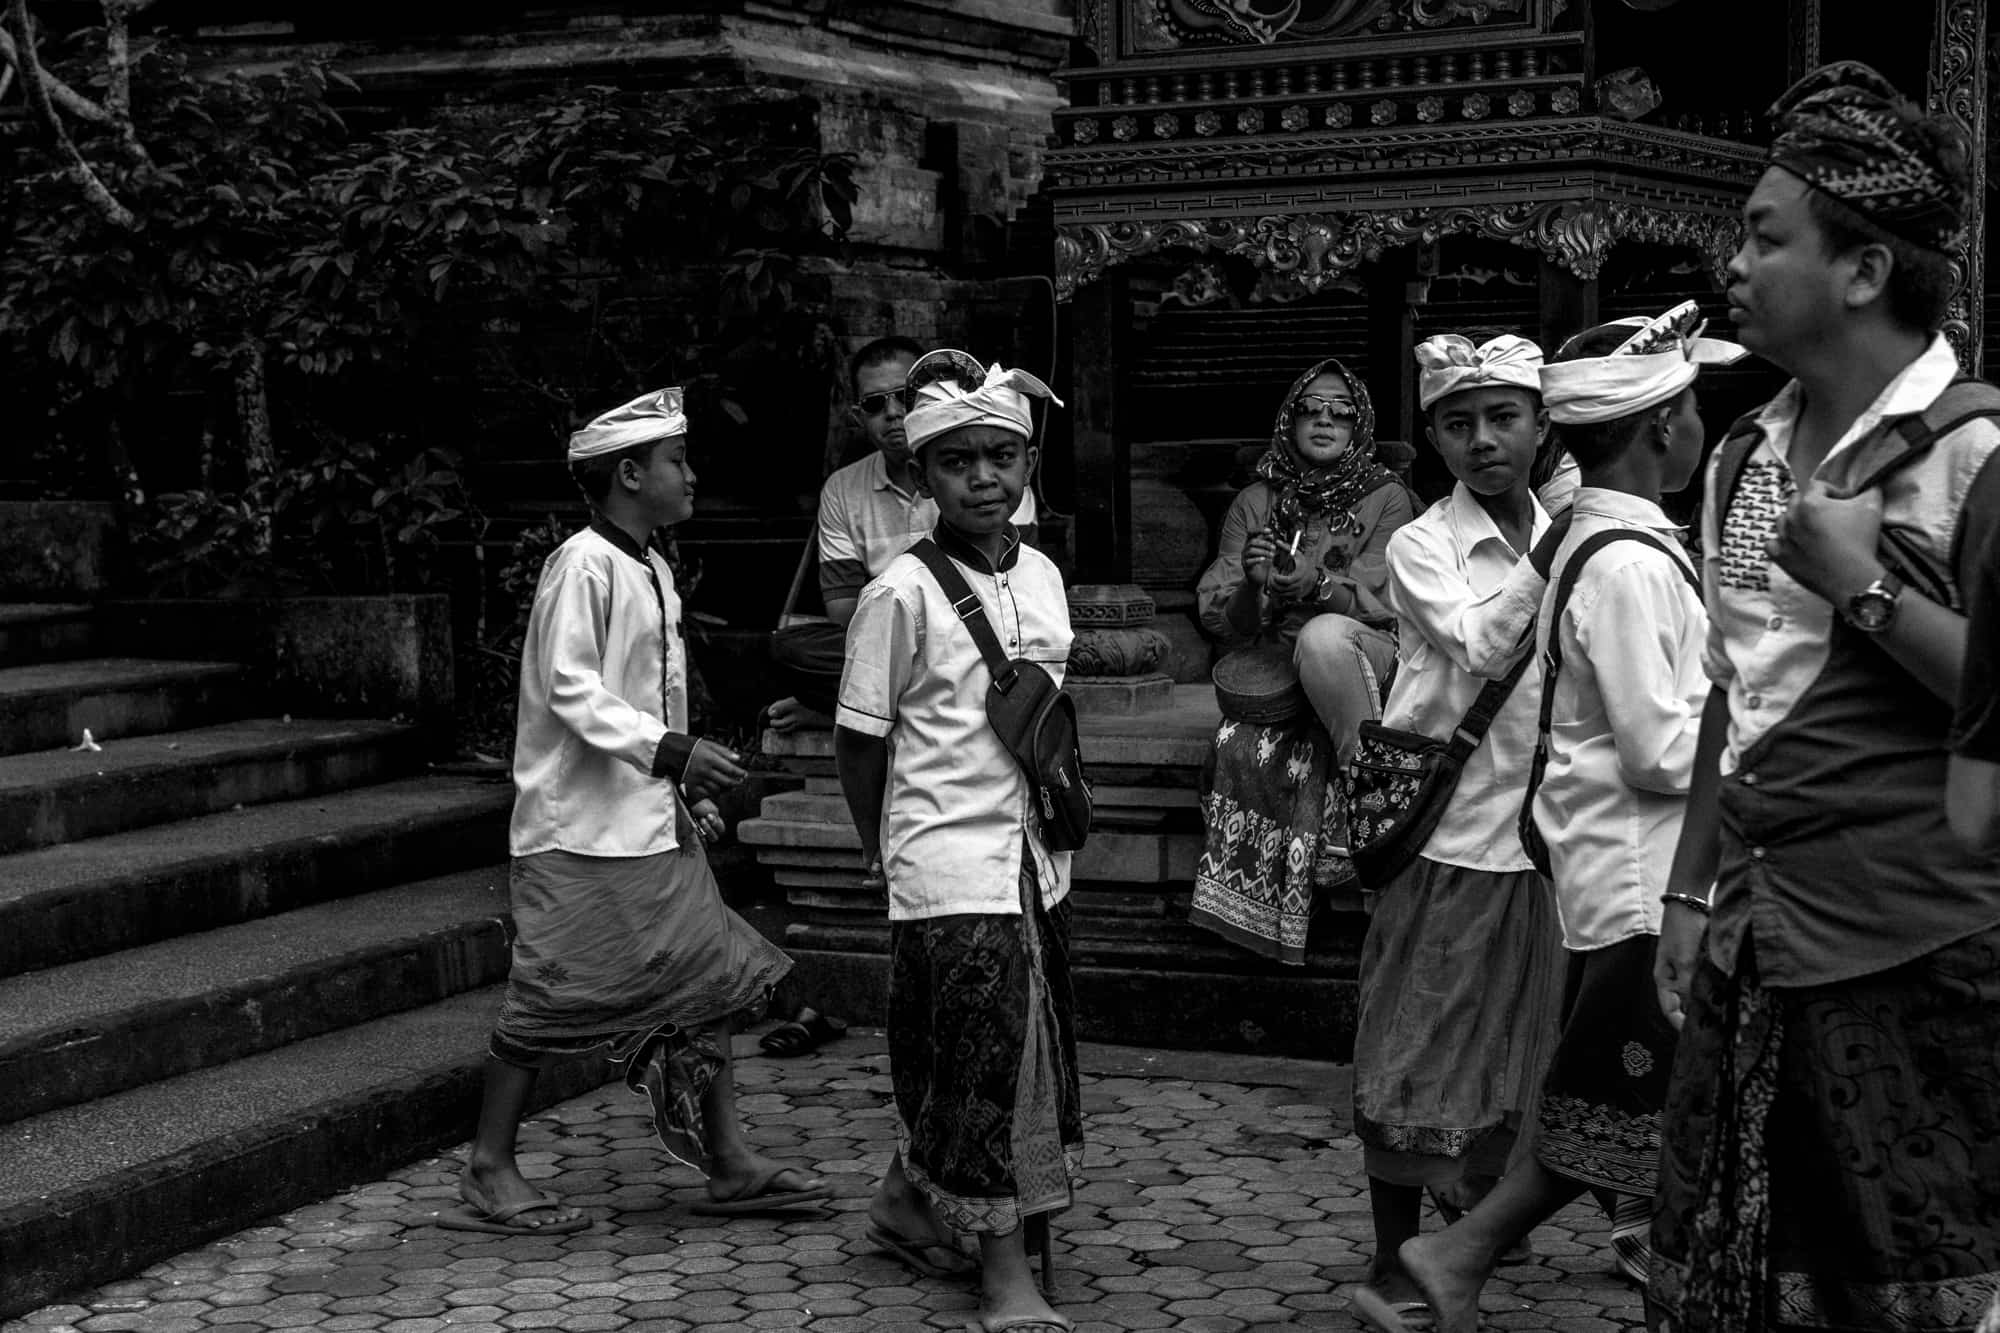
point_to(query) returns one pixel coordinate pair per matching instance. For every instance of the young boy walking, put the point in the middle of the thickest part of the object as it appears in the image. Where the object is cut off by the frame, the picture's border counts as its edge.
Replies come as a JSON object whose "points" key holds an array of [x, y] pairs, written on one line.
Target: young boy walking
{"points": [[1460, 975], [982, 1046], [622, 941], [1832, 1133], [1622, 630]]}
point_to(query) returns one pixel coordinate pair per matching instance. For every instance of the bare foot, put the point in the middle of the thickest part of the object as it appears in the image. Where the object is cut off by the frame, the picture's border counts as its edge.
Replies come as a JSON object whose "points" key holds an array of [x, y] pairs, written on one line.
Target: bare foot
{"points": [[489, 1187], [791, 715], [1450, 1278], [735, 1177], [906, 1214], [1004, 1298]]}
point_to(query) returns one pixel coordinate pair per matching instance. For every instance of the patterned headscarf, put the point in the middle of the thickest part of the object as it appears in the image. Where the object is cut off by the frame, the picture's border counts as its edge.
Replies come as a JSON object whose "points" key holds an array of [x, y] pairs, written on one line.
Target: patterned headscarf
{"points": [[1332, 490], [1846, 130]]}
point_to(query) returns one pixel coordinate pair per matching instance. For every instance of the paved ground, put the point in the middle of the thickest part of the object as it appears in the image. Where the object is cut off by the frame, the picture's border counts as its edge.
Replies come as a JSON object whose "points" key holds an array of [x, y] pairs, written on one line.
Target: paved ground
{"points": [[1224, 1195]]}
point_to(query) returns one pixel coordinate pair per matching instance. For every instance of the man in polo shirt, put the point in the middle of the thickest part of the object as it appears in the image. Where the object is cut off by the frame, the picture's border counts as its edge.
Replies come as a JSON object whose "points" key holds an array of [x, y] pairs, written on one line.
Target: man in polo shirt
{"points": [[869, 513], [1831, 1152]]}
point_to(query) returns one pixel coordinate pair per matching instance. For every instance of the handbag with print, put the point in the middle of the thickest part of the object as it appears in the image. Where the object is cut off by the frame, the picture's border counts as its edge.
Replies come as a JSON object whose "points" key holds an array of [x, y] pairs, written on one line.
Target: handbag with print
{"points": [[1399, 783]]}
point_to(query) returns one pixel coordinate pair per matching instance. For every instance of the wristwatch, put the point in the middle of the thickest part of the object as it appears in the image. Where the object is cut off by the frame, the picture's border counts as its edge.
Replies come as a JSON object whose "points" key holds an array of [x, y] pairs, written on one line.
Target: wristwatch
{"points": [[1873, 609]]}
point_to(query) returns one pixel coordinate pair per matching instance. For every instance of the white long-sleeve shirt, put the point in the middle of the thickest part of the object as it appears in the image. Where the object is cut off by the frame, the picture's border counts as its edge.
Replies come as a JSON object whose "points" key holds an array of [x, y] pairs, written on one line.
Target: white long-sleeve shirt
{"points": [[1465, 603], [1627, 709], [603, 679]]}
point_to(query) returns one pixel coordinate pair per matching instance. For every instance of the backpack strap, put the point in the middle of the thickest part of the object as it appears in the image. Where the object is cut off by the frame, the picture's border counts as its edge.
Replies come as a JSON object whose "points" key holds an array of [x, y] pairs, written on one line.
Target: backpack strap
{"points": [[1552, 656], [966, 602]]}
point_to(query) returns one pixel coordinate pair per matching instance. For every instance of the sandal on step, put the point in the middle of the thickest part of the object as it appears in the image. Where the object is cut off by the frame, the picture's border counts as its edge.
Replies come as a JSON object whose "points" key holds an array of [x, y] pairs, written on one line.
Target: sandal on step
{"points": [[805, 1033]]}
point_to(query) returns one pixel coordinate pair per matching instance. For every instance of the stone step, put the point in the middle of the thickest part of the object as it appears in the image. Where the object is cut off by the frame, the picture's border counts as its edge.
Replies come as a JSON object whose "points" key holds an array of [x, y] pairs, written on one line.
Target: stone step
{"points": [[45, 632], [48, 705], [1111, 855], [1126, 802], [95, 1191], [59, 797], [69, 1034], [82, 899]]}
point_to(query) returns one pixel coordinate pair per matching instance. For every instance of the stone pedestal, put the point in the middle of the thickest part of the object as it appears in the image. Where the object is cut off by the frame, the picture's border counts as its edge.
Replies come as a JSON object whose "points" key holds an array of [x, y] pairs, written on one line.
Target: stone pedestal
{"points": [[1115, 660]]}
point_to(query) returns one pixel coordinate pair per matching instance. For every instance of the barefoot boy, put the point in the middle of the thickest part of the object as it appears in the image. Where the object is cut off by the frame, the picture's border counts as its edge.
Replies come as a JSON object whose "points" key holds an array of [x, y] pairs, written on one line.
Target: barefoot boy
{"points": [[1621, 632], [982, 1046], [622, 939]]}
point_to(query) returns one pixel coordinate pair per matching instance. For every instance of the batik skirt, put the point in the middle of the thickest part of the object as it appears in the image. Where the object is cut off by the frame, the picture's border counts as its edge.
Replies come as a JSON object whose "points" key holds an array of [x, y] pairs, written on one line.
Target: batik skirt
{"points": [[1276, 835], [982, 1057], [1461, 982], [638, 958], [1600, 1112], [1832, 1153]]}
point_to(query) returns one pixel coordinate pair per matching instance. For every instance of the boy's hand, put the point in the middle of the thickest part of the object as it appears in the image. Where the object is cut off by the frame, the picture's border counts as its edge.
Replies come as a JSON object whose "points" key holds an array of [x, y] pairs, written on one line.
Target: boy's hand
{"points": [[707, 820], [1258, 552], [1674, 959], [711, 770], [1828, 545]]}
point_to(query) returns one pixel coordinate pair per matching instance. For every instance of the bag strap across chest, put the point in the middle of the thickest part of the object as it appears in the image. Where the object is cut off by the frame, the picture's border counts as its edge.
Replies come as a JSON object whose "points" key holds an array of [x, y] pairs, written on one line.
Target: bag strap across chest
{"points": [[1559, 602], [967, 604]]}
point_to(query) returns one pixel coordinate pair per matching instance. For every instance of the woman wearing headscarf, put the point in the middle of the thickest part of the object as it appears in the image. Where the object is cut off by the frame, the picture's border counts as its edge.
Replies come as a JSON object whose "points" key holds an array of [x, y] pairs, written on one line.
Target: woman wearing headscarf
{"points": [[1300, 574]]}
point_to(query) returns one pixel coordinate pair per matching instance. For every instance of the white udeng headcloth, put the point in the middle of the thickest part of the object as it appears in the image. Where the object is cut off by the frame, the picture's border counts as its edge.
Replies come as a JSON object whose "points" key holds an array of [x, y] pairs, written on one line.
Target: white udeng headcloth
{"points": [[1001, 401], [650, 416], [1653, 366], [1450, 363]]}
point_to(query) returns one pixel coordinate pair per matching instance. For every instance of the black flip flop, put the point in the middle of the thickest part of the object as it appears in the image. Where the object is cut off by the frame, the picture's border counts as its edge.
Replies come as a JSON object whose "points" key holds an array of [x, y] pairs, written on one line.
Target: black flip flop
{"points": [[802, 1035]]}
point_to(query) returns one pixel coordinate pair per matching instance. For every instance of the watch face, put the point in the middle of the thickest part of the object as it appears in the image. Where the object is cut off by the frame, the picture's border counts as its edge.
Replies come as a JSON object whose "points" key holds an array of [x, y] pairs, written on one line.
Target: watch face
{"points": [[1871, 610]]}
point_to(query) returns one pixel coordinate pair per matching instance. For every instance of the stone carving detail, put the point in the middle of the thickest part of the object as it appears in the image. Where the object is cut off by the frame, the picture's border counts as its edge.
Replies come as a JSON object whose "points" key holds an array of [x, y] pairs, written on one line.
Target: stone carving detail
{"points": [[1316, 250], [1118, 652], [1958, 93], [1802, 24], [1437, 13]]}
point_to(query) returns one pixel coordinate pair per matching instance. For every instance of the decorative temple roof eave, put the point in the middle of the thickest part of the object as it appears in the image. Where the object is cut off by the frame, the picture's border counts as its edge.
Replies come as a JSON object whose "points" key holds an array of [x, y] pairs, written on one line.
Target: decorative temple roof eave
{"points": [[1319, 205]]}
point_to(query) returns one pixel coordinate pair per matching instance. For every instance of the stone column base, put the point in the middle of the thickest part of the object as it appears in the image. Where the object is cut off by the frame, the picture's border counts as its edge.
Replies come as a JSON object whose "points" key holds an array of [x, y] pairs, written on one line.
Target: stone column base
{"points": [[1121, 696]]}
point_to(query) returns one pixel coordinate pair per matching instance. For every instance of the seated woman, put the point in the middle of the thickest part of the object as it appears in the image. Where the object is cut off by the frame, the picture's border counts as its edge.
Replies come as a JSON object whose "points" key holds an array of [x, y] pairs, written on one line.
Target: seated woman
{"points": [[1300, 564]]}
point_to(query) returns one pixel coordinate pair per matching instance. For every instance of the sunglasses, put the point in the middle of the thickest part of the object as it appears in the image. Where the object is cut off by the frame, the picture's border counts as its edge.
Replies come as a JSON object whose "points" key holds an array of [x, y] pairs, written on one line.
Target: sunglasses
{"points": [[875, 404], [946, 365], [1311, 405]]}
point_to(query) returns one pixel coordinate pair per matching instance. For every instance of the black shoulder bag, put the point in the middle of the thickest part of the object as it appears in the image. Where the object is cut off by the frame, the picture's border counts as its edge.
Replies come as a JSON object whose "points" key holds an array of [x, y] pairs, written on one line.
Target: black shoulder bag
{"points": [[1034, 718], [1531, 836]]}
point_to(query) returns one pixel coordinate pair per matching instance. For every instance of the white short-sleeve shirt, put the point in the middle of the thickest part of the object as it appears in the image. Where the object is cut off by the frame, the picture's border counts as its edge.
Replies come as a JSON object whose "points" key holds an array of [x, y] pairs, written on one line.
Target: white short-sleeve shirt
{"points": [[957, 809]]}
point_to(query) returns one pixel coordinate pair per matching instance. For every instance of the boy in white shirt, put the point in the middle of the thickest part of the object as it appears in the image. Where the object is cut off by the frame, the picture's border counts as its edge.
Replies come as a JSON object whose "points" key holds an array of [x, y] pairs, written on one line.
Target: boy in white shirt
{"points": [[1622, 630], [1459, 978], [982, 1046], [622, 941]]}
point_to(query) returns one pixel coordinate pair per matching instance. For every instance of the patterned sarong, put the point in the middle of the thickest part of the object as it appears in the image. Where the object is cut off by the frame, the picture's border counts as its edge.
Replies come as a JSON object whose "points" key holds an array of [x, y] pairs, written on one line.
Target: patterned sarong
{"points": [[982, 1055], [1276, 833], [1832, 1153]]}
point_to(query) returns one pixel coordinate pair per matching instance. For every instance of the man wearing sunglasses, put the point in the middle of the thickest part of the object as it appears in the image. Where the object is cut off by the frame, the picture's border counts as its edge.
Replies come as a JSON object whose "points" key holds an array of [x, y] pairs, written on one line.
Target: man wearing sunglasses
{"points": [[870, 511]]}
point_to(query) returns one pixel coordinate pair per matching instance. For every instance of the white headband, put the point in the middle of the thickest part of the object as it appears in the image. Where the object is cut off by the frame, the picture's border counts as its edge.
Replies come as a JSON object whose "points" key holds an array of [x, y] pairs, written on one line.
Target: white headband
{"points": [[1451, 364], [650, 416], [1001, 401], [1653, 366]]}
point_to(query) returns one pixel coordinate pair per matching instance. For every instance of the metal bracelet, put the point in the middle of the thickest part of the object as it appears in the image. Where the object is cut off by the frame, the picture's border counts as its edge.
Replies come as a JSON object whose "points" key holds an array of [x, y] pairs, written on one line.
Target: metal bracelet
{"points": [[1686, 900]]}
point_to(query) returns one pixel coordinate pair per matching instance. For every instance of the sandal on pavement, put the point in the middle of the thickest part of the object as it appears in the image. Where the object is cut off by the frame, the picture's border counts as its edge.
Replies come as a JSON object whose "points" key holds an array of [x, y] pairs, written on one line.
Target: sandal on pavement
{"points": [[758, 1195], [916, 1255], [505, 1220], [802, 1035], [1022, 1323]]}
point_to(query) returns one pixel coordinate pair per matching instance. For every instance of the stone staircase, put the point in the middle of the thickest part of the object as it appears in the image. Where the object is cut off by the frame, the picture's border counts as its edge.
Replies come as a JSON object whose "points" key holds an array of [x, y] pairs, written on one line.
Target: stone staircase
{"points": [[246, 959], [1143, 975]]}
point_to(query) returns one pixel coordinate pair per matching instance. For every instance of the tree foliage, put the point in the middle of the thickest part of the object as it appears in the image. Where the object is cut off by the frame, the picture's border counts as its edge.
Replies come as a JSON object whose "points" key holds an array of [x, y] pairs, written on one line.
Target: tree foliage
{"points": [[295, 284]]}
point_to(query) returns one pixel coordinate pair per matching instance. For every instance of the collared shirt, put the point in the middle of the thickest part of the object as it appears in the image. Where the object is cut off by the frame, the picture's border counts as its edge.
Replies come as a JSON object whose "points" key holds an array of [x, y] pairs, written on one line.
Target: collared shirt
{"points": [[1627, 710], [1465, 603], [866, 520], [957, 807], [603, 678], [1836, 858]]}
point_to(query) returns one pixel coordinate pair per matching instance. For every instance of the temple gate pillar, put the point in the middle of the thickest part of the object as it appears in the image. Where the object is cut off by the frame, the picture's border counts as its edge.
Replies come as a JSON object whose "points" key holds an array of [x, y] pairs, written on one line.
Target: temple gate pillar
{"points": [[1957, 91], [1100, 322]]}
